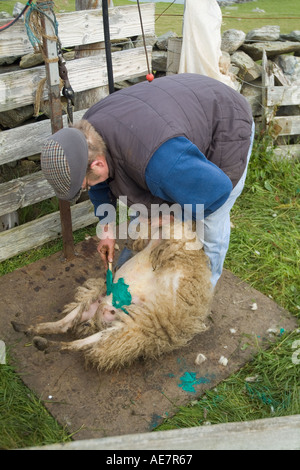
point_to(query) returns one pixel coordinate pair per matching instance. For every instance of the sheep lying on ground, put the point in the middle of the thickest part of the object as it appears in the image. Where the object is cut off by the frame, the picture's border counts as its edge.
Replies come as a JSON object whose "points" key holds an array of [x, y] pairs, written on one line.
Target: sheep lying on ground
{"points": [[171, 295]]}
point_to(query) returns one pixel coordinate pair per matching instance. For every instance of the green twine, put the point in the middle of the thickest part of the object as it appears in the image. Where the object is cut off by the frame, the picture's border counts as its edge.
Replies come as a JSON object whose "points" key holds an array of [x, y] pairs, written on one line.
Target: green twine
{"points": [[119, 290], [264, 395]]}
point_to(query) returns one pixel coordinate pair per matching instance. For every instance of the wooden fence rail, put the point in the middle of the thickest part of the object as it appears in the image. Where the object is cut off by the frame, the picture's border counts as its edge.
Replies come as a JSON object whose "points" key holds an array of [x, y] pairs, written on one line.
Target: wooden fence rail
{"points": [[273, 98], [18, 89], [79, 28]]}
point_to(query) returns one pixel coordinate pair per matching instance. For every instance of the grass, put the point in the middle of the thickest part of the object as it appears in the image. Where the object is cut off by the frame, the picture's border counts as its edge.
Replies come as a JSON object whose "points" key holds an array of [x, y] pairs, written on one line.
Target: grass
{"points": [[241, 16], [24, 422], [264, 251]]}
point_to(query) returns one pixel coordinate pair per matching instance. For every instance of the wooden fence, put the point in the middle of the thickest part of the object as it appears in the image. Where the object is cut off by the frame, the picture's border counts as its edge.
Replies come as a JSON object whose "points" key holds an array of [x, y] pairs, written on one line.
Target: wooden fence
{"points": [[18, 89], [273, 98]]}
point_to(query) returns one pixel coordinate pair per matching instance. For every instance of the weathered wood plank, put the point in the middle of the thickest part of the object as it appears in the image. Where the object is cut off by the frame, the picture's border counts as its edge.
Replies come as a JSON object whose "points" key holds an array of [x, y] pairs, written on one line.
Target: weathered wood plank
{"points": [[174, 53], [27, 140], [283, 95], [23, 192], [287, 151], [18, 89], [40, 231], [281, 433], [287, 125], [82, 27], [85, 99], [267, 81]]}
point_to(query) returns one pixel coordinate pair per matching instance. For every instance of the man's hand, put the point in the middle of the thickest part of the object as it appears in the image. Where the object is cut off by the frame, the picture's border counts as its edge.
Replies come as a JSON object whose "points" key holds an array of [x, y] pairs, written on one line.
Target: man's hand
{"points": [[106, 246], [106, 249]]}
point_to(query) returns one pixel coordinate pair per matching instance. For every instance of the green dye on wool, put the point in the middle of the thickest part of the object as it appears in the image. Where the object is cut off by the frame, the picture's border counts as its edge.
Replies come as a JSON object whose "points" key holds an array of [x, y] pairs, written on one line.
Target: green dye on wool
{"points": [[119, 290]]}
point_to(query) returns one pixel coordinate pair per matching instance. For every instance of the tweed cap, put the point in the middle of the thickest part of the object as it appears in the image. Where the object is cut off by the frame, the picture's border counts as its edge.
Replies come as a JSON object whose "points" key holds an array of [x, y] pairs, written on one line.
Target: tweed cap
{"points": [[64, 161]]}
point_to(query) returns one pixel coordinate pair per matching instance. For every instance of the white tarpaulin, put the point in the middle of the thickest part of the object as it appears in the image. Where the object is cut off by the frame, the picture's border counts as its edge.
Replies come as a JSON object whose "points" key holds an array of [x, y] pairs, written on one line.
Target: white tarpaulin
{"points": [[201, 44]]}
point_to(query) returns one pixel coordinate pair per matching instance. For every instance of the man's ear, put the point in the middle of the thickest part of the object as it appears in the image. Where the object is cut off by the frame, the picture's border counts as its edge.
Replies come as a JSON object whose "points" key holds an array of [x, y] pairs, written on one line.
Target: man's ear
{"points": [[94, 163], [97, 162]]}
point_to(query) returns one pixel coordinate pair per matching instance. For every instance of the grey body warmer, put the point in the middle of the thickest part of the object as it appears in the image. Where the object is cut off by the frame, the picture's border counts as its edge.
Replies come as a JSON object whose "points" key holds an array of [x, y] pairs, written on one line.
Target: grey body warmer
{"points": [[136, 121]]}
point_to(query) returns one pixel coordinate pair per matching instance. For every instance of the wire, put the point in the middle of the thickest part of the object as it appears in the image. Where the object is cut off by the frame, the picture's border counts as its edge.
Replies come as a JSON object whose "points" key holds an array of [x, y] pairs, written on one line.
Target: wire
{"points": [[225, 17], [143, 35], [8, 25], [166, 10], [263, 17]]}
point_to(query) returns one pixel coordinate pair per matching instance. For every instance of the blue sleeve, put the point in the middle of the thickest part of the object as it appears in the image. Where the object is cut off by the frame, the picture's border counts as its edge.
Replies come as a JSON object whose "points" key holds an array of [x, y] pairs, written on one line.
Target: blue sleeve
{"points": [[179, 173], [101, 194]]}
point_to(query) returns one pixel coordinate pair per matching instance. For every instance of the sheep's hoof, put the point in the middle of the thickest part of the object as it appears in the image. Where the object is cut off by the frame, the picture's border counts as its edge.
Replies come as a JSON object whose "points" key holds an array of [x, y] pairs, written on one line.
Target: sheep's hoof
{"points": [[40, 343], [19, 327], [43, 344]]}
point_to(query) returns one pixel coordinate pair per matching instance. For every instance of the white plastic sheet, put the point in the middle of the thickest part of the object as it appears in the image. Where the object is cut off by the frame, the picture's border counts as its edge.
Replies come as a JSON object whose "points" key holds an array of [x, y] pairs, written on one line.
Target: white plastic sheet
{"points": [[201, 44]]}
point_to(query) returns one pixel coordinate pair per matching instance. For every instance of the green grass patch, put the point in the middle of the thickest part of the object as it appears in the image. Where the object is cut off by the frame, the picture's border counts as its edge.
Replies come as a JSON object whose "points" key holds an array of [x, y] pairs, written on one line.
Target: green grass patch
{"points": [[264, 249], [24, 421], [237, 16], [275, 12]]}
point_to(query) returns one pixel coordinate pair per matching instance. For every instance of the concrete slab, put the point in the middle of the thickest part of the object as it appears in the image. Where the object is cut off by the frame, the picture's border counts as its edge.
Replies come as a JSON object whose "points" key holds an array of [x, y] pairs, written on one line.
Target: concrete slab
{"points": [[135, 400]]}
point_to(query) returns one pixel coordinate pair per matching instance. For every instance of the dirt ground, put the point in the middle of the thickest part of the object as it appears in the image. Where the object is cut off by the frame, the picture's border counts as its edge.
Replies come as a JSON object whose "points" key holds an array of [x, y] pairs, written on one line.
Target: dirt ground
{"points": [[135, 400]]}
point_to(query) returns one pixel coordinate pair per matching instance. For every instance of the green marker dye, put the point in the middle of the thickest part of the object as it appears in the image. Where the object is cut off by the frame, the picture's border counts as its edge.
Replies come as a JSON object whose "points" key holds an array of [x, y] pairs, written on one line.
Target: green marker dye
{"points": [[189, 380], [119, 290]]}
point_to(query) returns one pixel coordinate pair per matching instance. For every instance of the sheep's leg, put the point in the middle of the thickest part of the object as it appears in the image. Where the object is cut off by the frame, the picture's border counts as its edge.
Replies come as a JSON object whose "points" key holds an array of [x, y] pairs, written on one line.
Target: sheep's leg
{"points": [[81, 344], [60, 326]]}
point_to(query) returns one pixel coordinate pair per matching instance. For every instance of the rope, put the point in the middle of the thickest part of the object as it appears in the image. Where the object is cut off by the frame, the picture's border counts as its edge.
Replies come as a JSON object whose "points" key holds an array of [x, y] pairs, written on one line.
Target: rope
{"points": [[36, 35], [33, 24], [8, 25]]}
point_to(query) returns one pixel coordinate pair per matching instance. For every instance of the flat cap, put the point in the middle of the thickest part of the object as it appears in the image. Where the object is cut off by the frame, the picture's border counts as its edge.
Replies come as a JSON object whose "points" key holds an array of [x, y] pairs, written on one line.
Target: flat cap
{"points": [[64, 161]]}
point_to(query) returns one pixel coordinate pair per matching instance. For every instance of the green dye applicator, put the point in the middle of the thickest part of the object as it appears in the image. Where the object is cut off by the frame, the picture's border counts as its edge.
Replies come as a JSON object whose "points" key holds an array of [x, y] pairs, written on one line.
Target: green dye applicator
{"points": [[119, 290]]}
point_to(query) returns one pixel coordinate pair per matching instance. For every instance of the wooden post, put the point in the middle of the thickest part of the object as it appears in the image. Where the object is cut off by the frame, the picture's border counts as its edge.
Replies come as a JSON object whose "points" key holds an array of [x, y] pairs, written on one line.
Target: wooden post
{"points": [[267, 81], [53, 81]]}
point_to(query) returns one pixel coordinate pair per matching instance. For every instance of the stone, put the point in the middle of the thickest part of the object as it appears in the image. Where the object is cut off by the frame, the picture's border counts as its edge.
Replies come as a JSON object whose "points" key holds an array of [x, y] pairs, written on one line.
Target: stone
{"points": [[18, 8], [159, 61], [8, 60], [15, 117], [150, 40], [253, 94], [4, 15], [266, 33], [248, 69], [232, 39], [293, 36], [272, 48], [290, 65], [162, 41], [31, 60]]}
